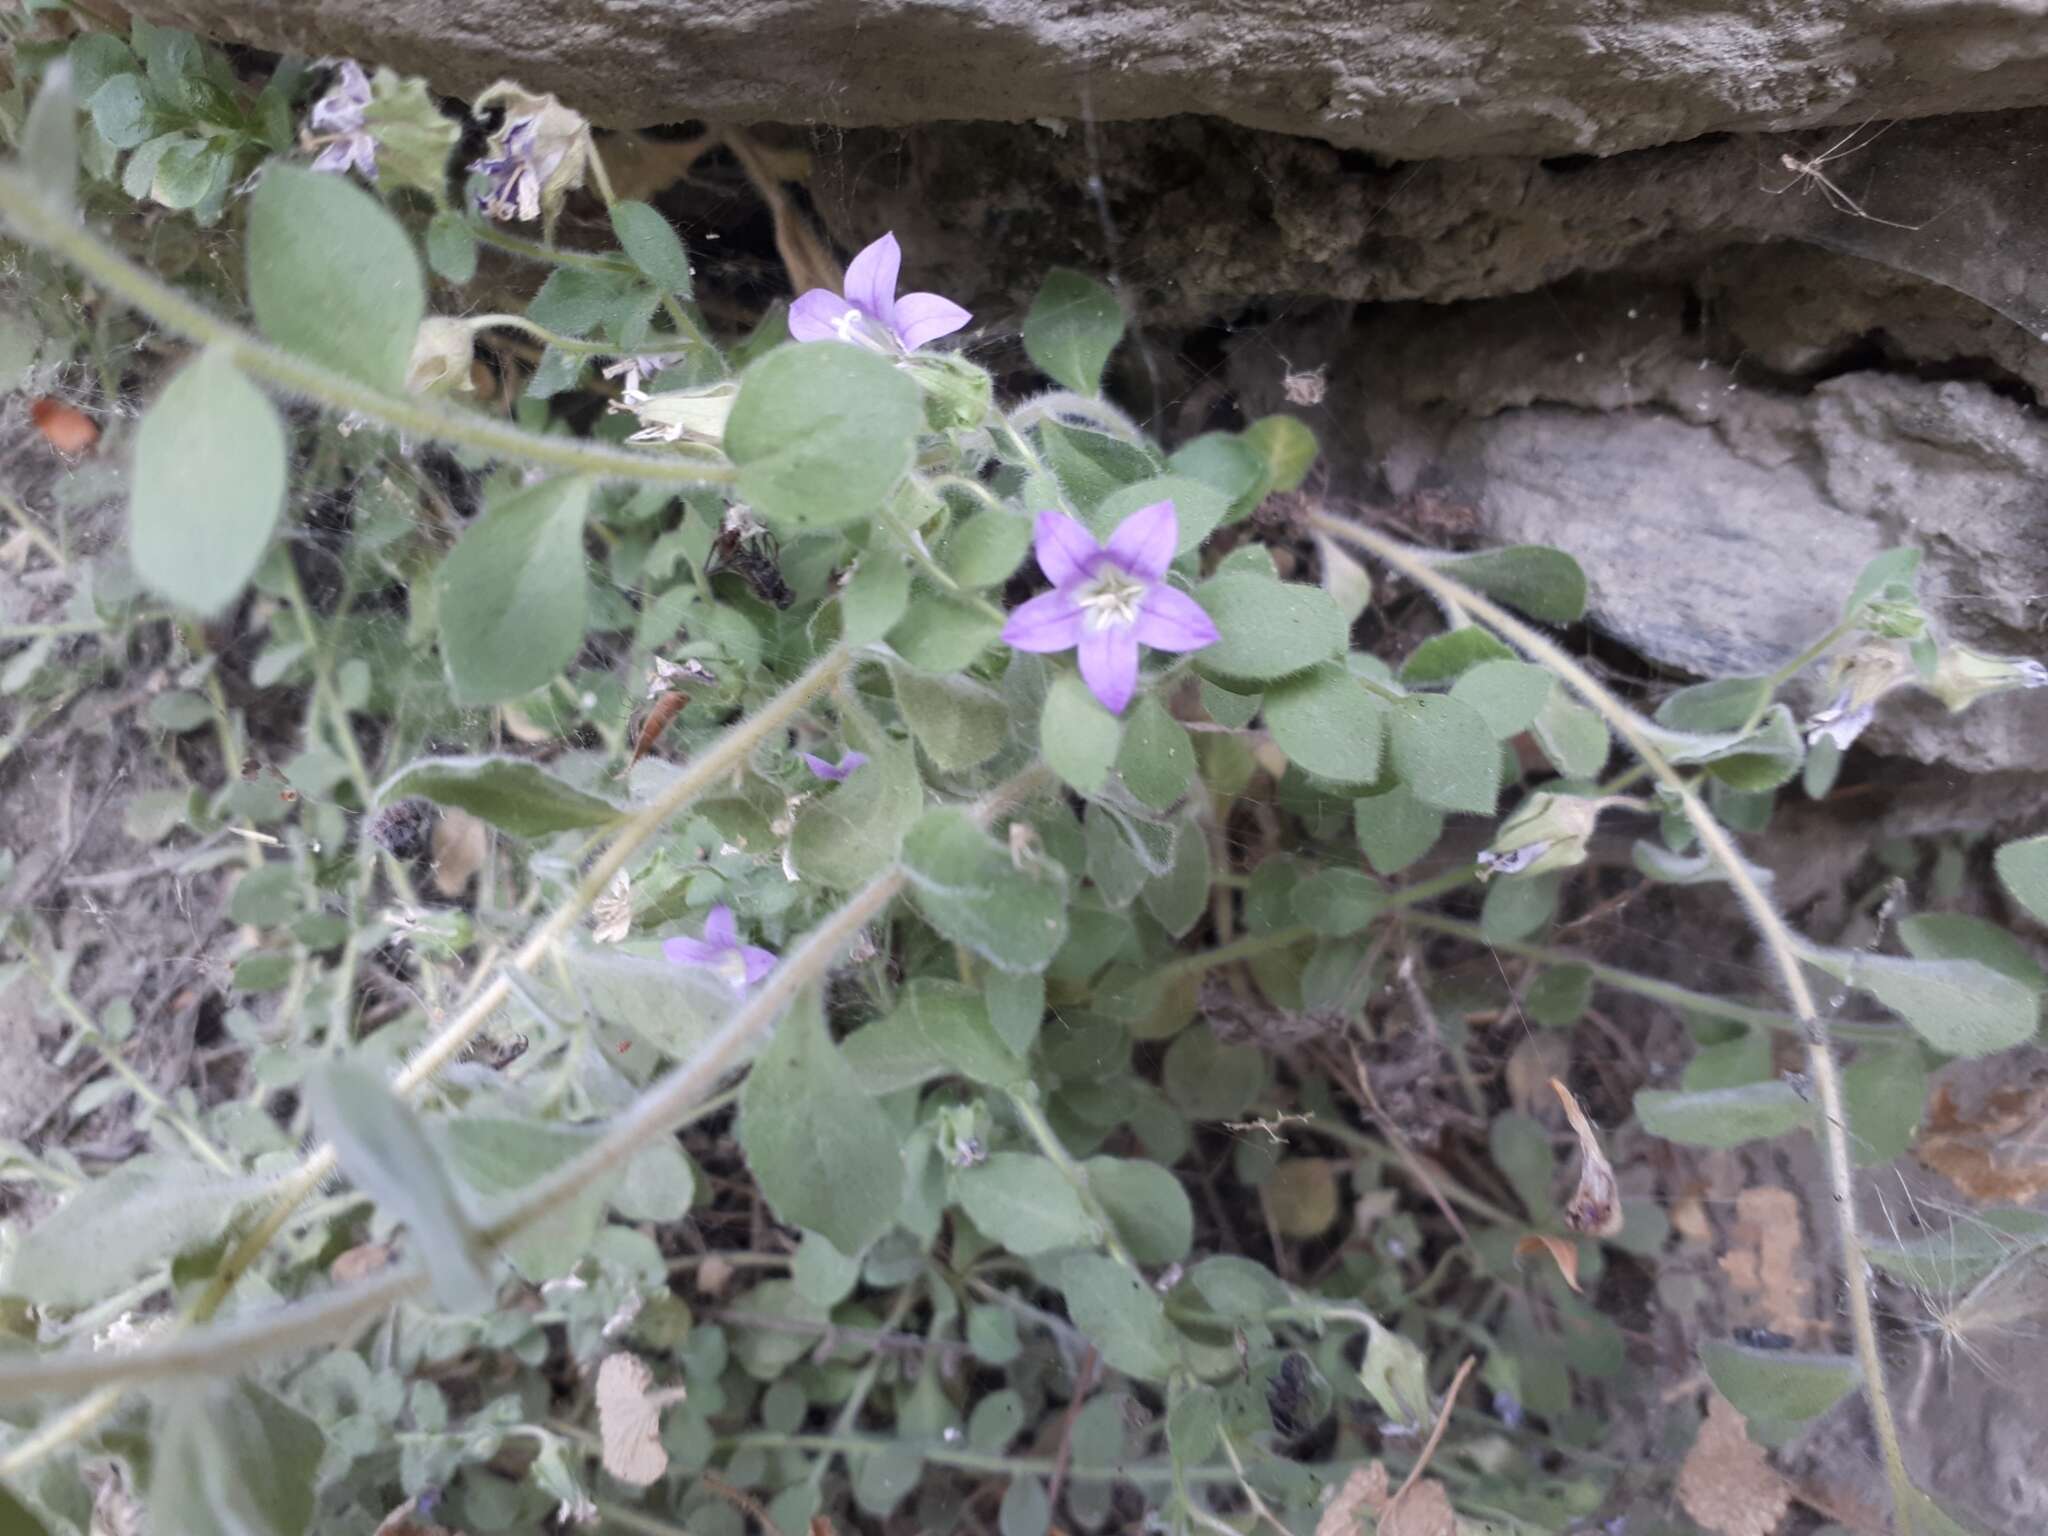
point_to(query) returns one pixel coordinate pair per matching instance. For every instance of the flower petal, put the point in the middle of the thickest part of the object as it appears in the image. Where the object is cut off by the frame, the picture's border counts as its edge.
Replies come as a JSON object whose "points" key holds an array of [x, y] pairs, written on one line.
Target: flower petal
{"points": [[1143, 543], [848, 761], [720, 929], [1049, 622], [759, 961], [688, 951], [1109, 665], [922, 318], [1170, 620], [1066, 551], [816, 315], [871, 279], [820, 769]]}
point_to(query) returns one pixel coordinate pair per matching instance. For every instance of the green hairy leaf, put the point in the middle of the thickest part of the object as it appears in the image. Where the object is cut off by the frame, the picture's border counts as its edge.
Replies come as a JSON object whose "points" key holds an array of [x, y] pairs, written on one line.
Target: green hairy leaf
{"points": [[821, 433], [1778, 1386], [1074, 324], [208, 487], [386, 1153], [1022, 1201], [822, 1149], [238, 1459], [1010, 911], [512, 594], [511, 794], [333, 277]]}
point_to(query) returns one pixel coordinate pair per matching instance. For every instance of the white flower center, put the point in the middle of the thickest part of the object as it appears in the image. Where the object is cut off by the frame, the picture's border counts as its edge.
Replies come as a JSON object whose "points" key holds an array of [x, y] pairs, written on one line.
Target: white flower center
{"points": [[856, 327], [732, 969], [1111, 599]]}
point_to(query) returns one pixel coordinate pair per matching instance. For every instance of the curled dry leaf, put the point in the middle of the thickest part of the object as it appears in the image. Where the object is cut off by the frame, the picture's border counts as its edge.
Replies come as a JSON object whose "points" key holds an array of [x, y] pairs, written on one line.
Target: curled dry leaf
{"points": [[1727, 1483], [629, 1419], [461, 842], [1424, 1510], [1595, 1206], [1562, 1249], [611, 915]]}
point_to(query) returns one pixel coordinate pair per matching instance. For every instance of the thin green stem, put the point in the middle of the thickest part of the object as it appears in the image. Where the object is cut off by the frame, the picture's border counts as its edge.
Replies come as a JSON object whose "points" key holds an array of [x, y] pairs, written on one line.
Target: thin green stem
{"points": [[1643, 986], [1254, 945], [913, 544], [109, 1052], [37, 222], [1779, 939], [1025, 1102], [491, 234], [849, 1413]]}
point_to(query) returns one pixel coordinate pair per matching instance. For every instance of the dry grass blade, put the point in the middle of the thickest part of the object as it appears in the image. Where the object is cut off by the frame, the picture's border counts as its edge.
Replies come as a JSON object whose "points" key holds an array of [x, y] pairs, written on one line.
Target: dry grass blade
{"points": [[809, 263]]}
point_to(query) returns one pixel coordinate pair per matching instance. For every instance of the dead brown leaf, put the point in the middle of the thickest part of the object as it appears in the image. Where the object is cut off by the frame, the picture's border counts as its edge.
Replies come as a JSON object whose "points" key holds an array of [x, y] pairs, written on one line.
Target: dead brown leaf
{"points": [[1762, 1260], [460, 843], [1595, 1206], [1727, 1483], [1561, 1249], [1364, 1491], [1424, 1510], [629, 1419], [1996, 1156]]}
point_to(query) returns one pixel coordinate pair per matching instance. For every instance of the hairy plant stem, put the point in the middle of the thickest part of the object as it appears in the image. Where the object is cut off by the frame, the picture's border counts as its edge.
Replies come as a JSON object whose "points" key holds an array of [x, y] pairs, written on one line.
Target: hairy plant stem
{"points": [[1778, 937], [35, 221], [725, 755], [656, 1113]]}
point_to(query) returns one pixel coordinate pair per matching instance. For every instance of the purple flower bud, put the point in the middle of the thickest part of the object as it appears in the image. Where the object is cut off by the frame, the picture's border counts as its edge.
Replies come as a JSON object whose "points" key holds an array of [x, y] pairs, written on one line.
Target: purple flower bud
{"points": [[833, 773]]}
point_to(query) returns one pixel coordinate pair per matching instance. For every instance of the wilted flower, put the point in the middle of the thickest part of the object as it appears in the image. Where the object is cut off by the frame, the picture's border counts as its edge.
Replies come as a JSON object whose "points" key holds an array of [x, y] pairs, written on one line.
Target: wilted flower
{"points": [[611, 915], [631, 369], [537, 157], [720, 950], [1861, 679], [834, 773], [336, 123], [868, 313], [1963, 676], [675, 414], [1107, 600], [442, 350], [1547, 831]]}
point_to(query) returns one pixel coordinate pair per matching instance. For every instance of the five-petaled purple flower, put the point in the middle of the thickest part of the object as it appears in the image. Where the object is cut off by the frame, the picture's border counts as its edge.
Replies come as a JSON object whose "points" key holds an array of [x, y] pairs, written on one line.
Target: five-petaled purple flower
{"points": [[517, 174], [337, 121], [1107, 600], [869, 313], [833, 773], [720, 950]]}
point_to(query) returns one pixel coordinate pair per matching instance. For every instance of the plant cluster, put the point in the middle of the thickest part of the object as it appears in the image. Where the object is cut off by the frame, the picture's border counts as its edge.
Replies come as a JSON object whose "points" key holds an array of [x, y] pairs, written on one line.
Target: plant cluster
{"points": [[799, 797]]}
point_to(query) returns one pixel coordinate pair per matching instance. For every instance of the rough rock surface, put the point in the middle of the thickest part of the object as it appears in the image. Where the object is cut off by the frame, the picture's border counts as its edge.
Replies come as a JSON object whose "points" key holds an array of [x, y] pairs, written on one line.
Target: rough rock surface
{"points": [[1464, 77]]}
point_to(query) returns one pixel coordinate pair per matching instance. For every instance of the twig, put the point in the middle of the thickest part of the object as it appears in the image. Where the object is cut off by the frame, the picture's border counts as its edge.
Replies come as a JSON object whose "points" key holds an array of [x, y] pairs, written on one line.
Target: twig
{"points": [[1436, 1433], [1777, 936], [1091, 1364], [746, 1503]]}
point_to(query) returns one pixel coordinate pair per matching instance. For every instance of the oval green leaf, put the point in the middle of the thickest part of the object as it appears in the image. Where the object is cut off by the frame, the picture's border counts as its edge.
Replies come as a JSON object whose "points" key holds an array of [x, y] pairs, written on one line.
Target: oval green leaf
{"points": [[332, 276], [821, 432], [209, 483], [512, 594]]}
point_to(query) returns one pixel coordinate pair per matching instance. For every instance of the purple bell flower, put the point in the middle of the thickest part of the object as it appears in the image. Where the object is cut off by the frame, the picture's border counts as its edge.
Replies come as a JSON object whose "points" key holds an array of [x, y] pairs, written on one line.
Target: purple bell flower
{"points": [[1108, 599], [720, 950], [869, 313]]}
